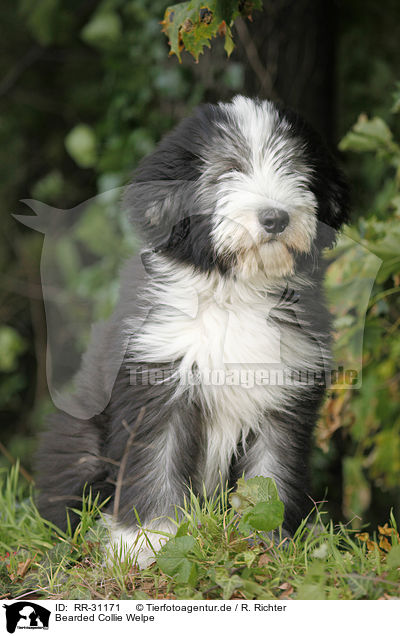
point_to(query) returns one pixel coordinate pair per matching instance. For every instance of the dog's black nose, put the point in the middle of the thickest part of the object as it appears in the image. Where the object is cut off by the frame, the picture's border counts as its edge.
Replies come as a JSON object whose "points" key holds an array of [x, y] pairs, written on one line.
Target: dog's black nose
{"points": [[273, 220]]}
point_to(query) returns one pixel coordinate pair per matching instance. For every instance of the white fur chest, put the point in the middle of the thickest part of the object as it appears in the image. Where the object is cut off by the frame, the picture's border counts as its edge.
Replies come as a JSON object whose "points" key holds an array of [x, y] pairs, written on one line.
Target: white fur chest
{"points": [[222, 329]]}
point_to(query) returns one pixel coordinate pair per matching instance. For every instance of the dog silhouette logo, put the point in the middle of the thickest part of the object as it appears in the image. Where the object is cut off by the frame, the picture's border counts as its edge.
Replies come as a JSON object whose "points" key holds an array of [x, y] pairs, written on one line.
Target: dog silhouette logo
{"points": [[72, 318], [26, 615]]}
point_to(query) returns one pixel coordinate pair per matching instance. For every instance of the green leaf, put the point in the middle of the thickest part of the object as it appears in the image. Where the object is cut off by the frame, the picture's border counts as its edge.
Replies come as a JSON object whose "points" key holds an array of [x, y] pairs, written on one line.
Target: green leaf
{"points": [[396, 99], [49, 188], [11, 347], [183, 529], [252, 589], [248, 557], [313, 586], [228, 583], [393, 558], [374, 128], [139, 595], [229, 44], [104, 29], [174, 18], [173, 559], [264, 516], [252, 491], [81, 145], [368, 134], [311, 592], [258, 502]]}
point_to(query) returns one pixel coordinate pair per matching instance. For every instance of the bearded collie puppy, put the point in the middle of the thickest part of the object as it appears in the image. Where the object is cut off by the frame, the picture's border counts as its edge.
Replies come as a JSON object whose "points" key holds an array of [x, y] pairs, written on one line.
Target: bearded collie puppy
{"points": [[226, 345]]}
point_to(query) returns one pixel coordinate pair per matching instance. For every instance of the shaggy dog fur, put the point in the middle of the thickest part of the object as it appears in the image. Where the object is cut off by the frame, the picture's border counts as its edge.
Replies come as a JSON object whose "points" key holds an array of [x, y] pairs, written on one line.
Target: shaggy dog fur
{"points": [[235, 207]]}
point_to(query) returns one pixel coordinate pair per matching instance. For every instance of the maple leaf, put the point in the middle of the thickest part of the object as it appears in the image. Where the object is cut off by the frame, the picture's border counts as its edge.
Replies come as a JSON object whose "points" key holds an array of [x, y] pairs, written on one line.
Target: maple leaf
{"points": [[192, 25]]}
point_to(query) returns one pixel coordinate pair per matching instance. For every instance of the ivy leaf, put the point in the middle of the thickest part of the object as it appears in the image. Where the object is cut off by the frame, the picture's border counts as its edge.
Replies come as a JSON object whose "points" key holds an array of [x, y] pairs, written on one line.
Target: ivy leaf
{"points": [[173, 559], [192, 25]]}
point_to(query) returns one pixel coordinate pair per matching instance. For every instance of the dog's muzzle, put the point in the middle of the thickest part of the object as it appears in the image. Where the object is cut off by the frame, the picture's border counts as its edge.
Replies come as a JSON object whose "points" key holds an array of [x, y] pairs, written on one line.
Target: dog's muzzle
{"points": [[273, 220]]}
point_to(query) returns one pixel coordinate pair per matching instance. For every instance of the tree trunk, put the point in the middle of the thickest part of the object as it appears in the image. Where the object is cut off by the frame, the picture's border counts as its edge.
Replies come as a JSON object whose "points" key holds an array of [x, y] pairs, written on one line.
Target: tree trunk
{"points": [[288, 51]]}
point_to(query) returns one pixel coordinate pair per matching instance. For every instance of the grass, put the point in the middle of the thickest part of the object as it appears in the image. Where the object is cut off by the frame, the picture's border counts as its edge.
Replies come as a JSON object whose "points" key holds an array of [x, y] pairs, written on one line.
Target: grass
{"points": [[210, 557]]}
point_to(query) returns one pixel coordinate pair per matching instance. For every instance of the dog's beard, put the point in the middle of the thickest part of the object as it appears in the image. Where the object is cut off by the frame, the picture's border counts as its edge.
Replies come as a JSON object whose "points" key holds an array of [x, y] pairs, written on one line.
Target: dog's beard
{"points": [[247, 250], [248, 255], [273, 259]]}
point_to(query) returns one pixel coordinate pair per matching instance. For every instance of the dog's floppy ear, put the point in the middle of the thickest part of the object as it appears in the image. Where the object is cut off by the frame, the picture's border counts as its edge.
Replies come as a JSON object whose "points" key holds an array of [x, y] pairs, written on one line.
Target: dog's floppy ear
{"points": [[327, 181], [332, 194], [163, 191], [156, 207]]}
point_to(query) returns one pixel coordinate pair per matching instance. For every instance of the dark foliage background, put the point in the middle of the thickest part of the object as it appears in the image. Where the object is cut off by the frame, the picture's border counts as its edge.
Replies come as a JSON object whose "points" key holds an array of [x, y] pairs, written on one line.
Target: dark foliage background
{"points": [[87, 88]]}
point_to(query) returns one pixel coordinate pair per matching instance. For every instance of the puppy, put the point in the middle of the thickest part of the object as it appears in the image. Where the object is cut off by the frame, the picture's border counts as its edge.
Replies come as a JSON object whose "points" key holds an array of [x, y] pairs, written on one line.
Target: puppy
{"points": [[226, 346]]}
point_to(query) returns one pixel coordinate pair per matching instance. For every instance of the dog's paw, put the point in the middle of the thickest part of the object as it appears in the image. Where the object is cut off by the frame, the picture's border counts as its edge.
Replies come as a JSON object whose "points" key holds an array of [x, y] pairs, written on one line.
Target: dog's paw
{"points": [[139, 544]]}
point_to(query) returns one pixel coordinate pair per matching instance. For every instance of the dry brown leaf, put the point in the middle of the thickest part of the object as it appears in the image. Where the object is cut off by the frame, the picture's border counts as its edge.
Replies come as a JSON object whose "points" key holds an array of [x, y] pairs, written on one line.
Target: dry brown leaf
{"points": [[387, 597], [284, 586], [288, 590], [22, 568], [385, 530], [385, 544], [264, 560], [332, 419], [372, 545]]}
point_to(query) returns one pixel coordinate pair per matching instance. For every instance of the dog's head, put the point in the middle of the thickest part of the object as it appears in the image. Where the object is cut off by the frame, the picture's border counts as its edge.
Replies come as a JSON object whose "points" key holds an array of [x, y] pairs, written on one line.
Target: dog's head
{"points": [[239, 187]]}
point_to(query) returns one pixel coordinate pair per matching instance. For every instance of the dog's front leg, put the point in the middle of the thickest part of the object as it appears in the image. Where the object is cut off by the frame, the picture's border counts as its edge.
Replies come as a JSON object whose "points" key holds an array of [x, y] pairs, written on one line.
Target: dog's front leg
{"points": [[159, 459], [280, 450]]}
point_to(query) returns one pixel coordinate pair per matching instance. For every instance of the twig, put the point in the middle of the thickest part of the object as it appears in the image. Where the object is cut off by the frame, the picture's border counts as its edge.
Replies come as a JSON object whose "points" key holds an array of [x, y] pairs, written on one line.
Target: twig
{"points": [[66, 498], [124, 460], [16, 598], [254, 59]]}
